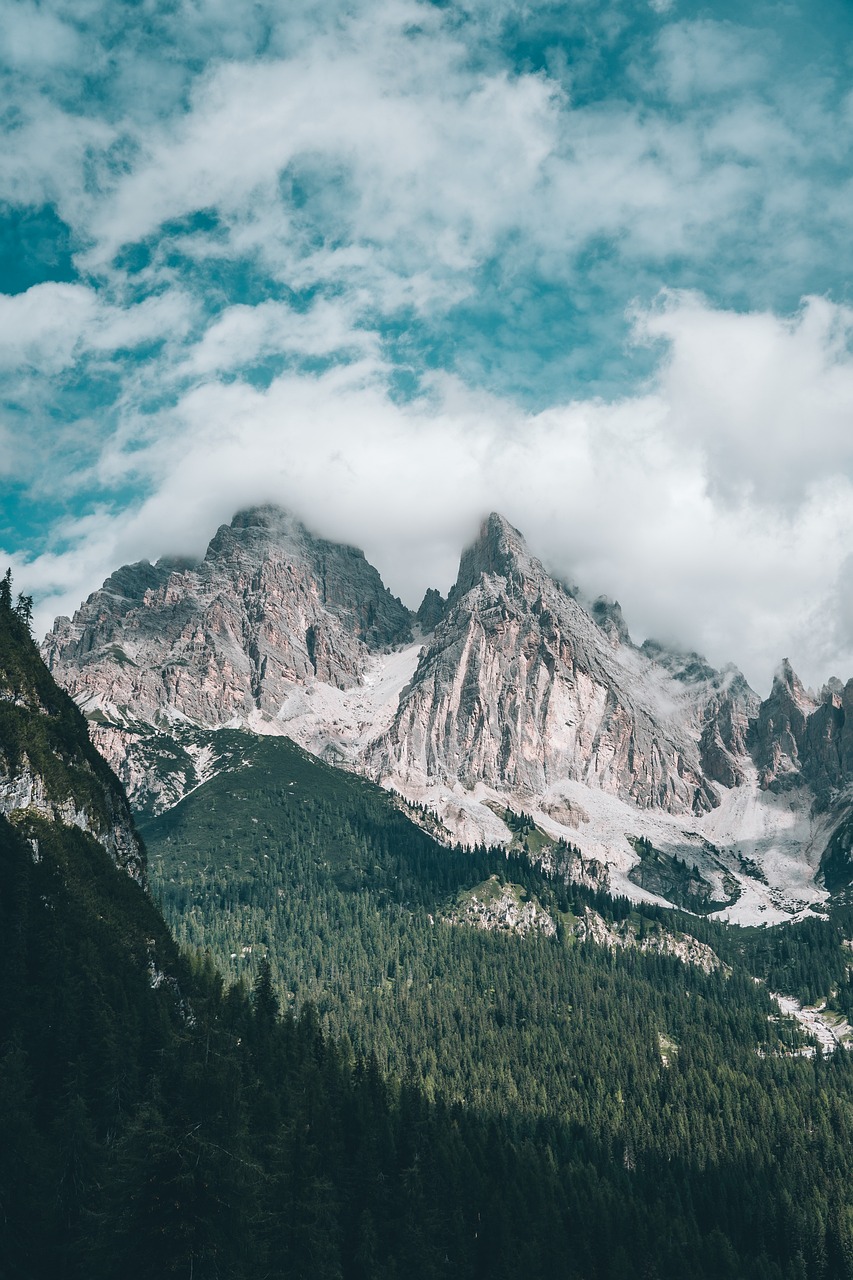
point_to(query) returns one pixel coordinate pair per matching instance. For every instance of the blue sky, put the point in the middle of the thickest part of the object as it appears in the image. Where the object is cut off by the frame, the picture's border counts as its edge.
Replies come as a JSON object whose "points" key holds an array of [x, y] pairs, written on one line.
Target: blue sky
{"points": [[394, 265]]}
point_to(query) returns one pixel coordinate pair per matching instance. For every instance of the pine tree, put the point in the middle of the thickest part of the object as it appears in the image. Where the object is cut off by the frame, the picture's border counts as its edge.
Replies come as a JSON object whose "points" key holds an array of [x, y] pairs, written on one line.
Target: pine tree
{"points": [[24, 609], [264, 997]]}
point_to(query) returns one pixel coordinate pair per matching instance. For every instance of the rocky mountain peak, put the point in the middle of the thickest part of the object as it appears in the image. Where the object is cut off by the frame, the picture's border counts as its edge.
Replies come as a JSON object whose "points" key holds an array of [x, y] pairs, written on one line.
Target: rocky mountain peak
{"points": [[258, 532], [432, 609], [786, 683], [521, 686], [499, 550], [225, 640], [607, 614], [782, 729]]}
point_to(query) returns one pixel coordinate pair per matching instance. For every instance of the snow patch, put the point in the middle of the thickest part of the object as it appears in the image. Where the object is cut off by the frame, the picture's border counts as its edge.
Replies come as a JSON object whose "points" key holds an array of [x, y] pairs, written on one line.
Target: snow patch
{"points": [[831, 1032]]}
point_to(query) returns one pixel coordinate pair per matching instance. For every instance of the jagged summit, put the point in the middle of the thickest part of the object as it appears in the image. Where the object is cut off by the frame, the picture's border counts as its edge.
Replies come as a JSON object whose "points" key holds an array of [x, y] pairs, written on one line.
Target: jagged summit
{"points": [[256, 529], [431, 610], [608, 615], [499, 550], [522, 692], [224, 641], [520, 687]]}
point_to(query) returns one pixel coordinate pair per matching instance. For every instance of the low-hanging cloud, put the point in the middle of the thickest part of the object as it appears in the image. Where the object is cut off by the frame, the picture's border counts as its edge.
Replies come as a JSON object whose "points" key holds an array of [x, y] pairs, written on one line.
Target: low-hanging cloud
{"points": [[623, 497]]}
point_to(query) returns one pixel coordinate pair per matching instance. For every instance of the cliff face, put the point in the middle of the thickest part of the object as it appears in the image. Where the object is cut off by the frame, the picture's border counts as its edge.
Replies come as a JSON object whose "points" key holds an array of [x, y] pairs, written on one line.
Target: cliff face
{"points": [[799, 739], [521, 686], [224, 641], [49, 768]]}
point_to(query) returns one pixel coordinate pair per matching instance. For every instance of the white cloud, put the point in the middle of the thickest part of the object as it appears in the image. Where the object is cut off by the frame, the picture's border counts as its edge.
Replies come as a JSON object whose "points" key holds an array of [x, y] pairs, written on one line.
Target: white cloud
{"points": [[421, 166], [766, 400], [243, 334], [31, 37], [49, 326], [702, 57], [42, 327], [626, 497], [381, 157], [407, 139]]}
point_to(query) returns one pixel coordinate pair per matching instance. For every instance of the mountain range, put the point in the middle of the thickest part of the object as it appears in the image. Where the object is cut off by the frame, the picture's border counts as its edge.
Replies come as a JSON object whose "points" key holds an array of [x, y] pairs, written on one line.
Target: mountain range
{"points": [[515, 695], [452, 1061]]}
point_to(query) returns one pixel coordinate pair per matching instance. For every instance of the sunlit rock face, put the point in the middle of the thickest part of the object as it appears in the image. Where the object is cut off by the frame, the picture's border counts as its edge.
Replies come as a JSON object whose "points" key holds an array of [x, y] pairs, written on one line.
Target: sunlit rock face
{"points": [[521, 686], [214, 642]]}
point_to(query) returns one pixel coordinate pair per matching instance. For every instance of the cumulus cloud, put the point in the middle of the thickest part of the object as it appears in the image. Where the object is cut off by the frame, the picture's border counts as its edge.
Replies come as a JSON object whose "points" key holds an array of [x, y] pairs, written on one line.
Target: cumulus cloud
{"points": [[243, 334], [34, 37], [766, 399], [704, 57]]}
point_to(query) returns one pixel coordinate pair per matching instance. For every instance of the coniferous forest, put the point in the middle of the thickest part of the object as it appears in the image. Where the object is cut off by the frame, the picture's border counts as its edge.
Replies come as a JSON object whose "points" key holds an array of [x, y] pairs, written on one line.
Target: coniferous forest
{"points": [[329, 1073]]}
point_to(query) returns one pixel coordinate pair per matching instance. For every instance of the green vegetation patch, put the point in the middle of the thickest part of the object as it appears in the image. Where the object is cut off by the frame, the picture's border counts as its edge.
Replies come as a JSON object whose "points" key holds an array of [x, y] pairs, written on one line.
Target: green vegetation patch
{"points": [[323, 872]]}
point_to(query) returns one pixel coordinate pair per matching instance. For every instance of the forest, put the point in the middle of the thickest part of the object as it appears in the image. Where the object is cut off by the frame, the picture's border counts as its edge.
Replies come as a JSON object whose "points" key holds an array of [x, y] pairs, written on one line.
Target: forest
{"points": [[372, 1091]]}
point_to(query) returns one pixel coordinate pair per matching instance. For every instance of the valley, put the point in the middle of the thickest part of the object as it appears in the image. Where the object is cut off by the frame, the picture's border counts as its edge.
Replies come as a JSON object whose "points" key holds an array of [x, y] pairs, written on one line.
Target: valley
{"points": [[505, 912]]}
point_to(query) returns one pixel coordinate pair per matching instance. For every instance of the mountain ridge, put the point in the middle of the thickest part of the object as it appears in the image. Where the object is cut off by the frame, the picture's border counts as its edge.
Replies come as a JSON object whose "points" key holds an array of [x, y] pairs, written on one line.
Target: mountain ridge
{"points": [[512, 691]]}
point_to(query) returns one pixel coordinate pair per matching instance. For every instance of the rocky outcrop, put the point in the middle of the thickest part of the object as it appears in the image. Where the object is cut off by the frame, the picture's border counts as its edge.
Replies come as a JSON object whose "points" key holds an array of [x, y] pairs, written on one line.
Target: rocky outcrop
{"points": [[592, 927], [432, 609], [722, 708], [802, 739], [729, 708], [607, 614], [780, 730], [25, 793], [224, 640], [520, 687], [49, 769], [503, 909]]}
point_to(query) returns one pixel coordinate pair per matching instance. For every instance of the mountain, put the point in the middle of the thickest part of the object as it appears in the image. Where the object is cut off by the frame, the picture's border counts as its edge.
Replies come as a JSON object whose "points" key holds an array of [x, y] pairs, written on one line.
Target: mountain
{"points": [[90, 989], [49, 769], [522, 688], [269, 610], [71, 849], [502, 1072], [514, 694]]}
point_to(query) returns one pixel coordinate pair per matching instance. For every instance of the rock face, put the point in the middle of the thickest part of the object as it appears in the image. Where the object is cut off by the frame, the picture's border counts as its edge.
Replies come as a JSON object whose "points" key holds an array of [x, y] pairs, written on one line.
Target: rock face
{"points": [[226, 639], [503, 909], [49, 768], [432, 610], [798, 738], [520, 687], [594, 928]]}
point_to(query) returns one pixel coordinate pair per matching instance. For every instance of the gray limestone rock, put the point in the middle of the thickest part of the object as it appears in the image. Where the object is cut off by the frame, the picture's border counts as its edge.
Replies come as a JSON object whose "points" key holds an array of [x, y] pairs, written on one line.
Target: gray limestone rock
{"points": [[520, 687], [432, 609], [215, 642]]}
